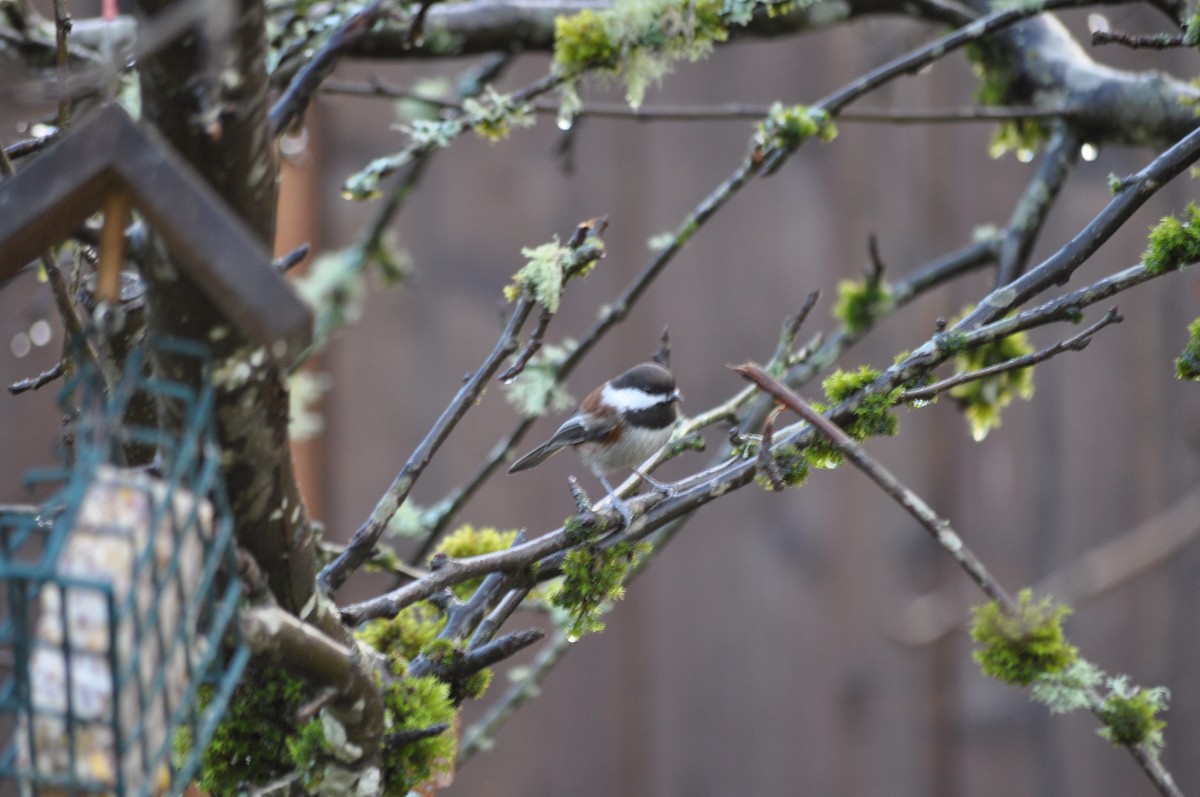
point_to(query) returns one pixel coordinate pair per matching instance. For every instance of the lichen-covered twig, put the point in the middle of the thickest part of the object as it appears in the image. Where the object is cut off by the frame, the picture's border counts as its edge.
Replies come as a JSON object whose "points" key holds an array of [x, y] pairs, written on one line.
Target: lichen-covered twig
{"points": [[1077, 342]]}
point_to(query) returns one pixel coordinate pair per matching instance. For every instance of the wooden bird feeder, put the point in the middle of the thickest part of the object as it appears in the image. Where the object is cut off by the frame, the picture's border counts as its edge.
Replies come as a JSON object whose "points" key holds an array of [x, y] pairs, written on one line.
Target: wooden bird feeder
{"points": [[111, 163]]}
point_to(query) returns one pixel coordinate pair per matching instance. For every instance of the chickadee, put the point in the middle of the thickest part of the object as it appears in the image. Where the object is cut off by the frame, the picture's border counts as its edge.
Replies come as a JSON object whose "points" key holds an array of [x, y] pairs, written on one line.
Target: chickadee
{"points": [[619, 425]]}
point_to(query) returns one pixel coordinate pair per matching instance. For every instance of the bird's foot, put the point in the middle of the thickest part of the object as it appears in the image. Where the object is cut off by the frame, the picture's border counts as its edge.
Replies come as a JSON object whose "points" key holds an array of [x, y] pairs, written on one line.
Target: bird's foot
{"points": [[667, 490]]}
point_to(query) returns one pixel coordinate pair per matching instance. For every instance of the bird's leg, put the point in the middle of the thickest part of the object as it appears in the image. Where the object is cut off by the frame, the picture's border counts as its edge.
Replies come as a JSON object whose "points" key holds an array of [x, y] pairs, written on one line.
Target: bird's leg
{"points": [[622, 508], [659, 487]]}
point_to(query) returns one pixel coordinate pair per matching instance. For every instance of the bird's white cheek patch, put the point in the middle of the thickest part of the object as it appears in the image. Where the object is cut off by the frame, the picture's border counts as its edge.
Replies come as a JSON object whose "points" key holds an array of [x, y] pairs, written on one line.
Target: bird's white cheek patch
{"points": [[630, 398]]}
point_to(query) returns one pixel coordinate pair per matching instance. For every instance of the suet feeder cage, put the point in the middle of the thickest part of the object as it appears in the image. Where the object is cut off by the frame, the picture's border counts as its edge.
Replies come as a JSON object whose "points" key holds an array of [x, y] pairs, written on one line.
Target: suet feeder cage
{"points": [[119, 638]]}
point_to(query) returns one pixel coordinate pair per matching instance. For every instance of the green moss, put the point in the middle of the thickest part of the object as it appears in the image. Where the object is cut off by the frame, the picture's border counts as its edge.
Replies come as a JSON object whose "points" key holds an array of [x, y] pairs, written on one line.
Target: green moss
{"points": [[581, 42], [251, 744], [593, 576], [1022, 136], [579, 528], [307, 750], [1131, 720], [1017, 648], [414, 704], [822, 454], [1130, 714], [402, 637], [469, 541], [861, 302], [1174, 243], [982, 399], [475, 685], [791, 464], [872, 417], [1187, 364], [841, 385]]}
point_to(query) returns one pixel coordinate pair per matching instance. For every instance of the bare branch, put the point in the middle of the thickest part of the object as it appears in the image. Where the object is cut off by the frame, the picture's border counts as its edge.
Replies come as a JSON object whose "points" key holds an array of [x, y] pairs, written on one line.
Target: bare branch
{"points": [[292, 259], [1034, 205], [1154, 41], [1074, 343], [39, 381], [730, 111], [496, 618]]}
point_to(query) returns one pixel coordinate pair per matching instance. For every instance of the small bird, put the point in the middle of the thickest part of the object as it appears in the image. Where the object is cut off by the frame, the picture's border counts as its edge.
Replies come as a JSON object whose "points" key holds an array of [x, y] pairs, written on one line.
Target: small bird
{"points": [[619, 425]]}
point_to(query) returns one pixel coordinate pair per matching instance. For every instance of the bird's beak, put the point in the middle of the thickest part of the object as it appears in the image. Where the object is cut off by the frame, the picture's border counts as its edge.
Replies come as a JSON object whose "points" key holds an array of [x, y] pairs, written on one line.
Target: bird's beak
{"points": [[677, 396]]}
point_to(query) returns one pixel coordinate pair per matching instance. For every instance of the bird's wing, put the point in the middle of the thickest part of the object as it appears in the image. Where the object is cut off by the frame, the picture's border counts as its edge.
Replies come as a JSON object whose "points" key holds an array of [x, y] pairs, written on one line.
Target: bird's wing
{"points": [[574, 430]]}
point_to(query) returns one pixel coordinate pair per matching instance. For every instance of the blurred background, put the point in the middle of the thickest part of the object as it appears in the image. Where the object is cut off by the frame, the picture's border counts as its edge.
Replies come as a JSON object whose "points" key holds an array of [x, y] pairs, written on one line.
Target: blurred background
{"points": [[774, 647]]}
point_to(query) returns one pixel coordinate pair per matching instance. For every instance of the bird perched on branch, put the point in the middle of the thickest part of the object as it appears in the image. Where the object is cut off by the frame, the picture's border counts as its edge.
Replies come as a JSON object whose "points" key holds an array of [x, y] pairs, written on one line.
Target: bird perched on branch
{"points": [[619, 425]]}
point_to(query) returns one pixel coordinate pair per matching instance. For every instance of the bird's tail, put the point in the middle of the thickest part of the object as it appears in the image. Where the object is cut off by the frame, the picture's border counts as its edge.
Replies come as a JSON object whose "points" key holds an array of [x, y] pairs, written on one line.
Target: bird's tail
{"points": [[535, 457]]}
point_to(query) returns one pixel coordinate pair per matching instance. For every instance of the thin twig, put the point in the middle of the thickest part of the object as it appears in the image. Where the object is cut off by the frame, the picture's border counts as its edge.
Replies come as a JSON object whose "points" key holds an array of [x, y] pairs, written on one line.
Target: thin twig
{"points": [[39, 381], [416, 30], [764, 460], [398, 739], [735, 112], [62, 30], [487, 629], [1074, 343], [1153, 41], [536, 338], [291, 259], [29, 146]]}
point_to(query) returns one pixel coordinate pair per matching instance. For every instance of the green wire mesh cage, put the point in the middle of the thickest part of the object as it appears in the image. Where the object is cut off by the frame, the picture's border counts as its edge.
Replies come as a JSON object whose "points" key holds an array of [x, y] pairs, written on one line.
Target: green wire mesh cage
{"points": [[119, 638]]}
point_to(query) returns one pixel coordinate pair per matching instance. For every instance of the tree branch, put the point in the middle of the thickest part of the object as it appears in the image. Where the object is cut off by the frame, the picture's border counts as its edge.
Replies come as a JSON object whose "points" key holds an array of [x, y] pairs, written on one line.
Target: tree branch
{"points": [[1074, 343], [1034, 205], [279, 638]]}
